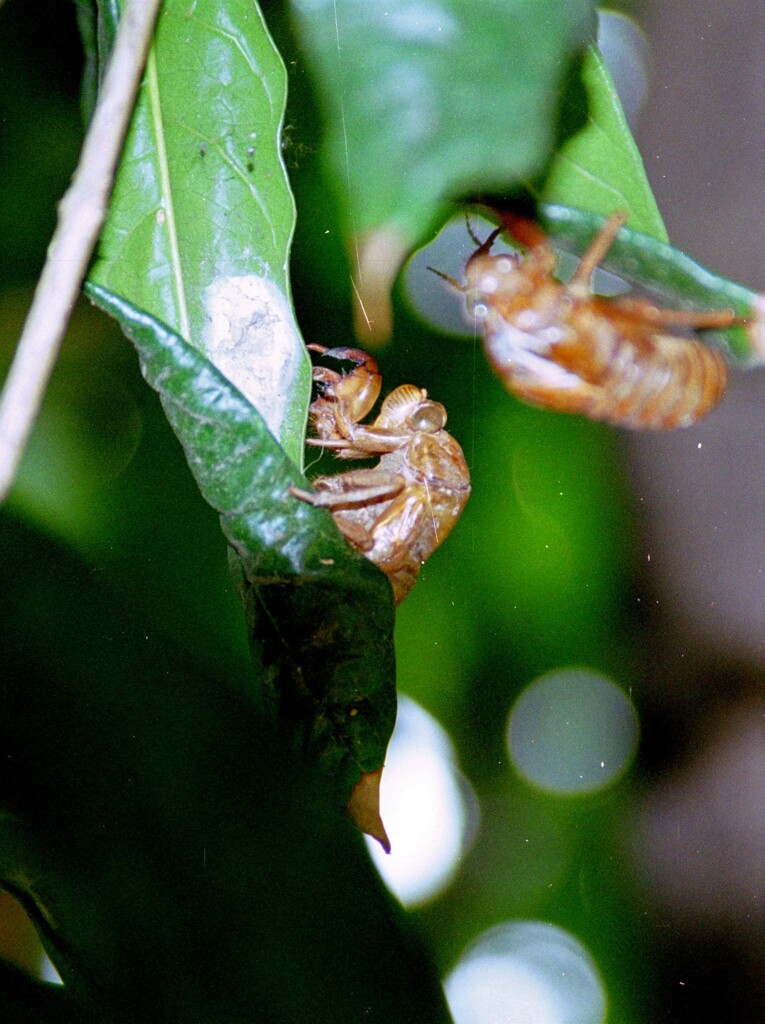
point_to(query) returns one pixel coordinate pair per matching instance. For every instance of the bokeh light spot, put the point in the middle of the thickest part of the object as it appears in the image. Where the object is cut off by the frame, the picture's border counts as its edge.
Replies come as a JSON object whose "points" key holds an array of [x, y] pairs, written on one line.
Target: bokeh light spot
{"points": [[572, 732], [526, 972], [426, 807]]}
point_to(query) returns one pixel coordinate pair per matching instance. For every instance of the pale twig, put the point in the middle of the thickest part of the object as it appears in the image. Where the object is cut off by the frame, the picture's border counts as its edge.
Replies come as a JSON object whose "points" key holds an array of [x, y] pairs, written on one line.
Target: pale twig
{"points": [[81, 216]]}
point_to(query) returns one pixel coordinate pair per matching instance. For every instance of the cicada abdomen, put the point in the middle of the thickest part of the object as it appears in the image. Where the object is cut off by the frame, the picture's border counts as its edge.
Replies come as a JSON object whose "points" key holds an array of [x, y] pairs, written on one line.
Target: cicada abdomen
{"points": [[620, 359]]}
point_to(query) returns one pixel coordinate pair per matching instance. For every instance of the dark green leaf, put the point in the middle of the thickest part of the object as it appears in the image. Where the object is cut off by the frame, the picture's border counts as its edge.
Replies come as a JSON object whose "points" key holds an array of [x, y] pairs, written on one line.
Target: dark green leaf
{"points": [[320, 615], [87, 22], [97, 21], [181, 868], [201, 215]]}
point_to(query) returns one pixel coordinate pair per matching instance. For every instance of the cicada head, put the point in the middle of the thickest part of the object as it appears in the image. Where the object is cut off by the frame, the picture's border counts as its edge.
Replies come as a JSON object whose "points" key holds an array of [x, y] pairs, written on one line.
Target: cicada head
{"points": [[496, 282], [356, 391]]}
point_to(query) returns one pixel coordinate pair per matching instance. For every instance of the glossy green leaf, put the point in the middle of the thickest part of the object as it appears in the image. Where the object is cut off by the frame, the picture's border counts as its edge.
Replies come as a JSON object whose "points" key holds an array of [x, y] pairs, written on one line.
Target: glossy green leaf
{"points": [[201, 216], [424, 104], [599, 167], [320, 615], [667, 273]]}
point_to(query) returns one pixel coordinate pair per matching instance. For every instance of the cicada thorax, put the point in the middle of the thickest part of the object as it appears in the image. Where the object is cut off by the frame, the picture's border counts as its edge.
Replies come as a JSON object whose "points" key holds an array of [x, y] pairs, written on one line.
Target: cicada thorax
{"points": [[620, 359]]}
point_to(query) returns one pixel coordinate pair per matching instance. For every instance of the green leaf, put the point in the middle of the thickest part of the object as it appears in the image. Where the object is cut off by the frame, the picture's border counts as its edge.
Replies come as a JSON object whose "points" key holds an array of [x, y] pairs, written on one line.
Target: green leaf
{"points": [[320, 615], [180, 867], [667, 273], [599, 168], [201, 217], [424, 104]]}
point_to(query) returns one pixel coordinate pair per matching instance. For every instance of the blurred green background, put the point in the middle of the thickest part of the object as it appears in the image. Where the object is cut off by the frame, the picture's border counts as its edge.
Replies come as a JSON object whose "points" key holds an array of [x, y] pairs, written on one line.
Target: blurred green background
{"points": [[546, 570]]}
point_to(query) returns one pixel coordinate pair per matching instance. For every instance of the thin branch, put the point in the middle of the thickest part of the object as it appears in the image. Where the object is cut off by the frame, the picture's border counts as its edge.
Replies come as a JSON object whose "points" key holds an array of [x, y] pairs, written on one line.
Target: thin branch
{"points": [[82, 212]]}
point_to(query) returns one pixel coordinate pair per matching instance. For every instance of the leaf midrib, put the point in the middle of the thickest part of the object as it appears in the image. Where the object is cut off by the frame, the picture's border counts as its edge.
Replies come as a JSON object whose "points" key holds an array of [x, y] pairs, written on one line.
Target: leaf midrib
{"points": [[168, 207]]}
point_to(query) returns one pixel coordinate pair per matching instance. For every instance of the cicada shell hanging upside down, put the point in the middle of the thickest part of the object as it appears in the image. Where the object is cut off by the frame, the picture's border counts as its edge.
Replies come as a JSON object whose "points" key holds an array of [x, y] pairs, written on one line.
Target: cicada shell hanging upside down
{"points": [[399, 512], [621, 359]]}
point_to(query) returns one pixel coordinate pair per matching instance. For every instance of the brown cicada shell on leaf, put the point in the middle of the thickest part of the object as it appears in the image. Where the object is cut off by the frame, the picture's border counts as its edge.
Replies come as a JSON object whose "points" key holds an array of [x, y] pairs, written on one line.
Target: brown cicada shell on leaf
{"points": [[400, 511], [621, 359]]}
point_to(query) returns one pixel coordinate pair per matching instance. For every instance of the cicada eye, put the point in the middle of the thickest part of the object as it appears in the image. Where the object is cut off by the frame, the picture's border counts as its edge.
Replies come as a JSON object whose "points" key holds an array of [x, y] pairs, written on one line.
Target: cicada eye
{"points": [[428, 417]]}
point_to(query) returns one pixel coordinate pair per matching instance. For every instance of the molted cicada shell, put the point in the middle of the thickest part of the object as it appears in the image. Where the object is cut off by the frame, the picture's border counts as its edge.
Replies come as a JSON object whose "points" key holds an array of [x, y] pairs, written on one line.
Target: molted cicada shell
{"points": [[621, 359], [400, 511]]}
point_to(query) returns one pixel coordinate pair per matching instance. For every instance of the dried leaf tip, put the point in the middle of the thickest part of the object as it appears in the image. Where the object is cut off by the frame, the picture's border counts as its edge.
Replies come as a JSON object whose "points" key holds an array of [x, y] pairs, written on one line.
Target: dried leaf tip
{"points": [[363, 808], [379, 256], [755, 327]]}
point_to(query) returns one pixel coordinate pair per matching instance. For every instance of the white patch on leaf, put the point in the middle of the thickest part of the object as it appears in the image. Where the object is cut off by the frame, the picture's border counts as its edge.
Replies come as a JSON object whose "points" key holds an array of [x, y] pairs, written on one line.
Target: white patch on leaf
{"points": [[252, 339]]}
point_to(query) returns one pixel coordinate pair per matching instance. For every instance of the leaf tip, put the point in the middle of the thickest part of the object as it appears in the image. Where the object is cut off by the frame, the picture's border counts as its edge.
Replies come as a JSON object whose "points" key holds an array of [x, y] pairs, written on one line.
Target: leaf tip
{"points": [[379, 256], [363, 808], [755, 327]]}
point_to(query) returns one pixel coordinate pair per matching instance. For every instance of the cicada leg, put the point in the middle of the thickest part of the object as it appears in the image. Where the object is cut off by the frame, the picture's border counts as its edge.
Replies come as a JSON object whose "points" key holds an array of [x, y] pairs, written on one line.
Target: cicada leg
{"points": [[645, 311], [348, 490], [581, 280], [361, 442]]}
